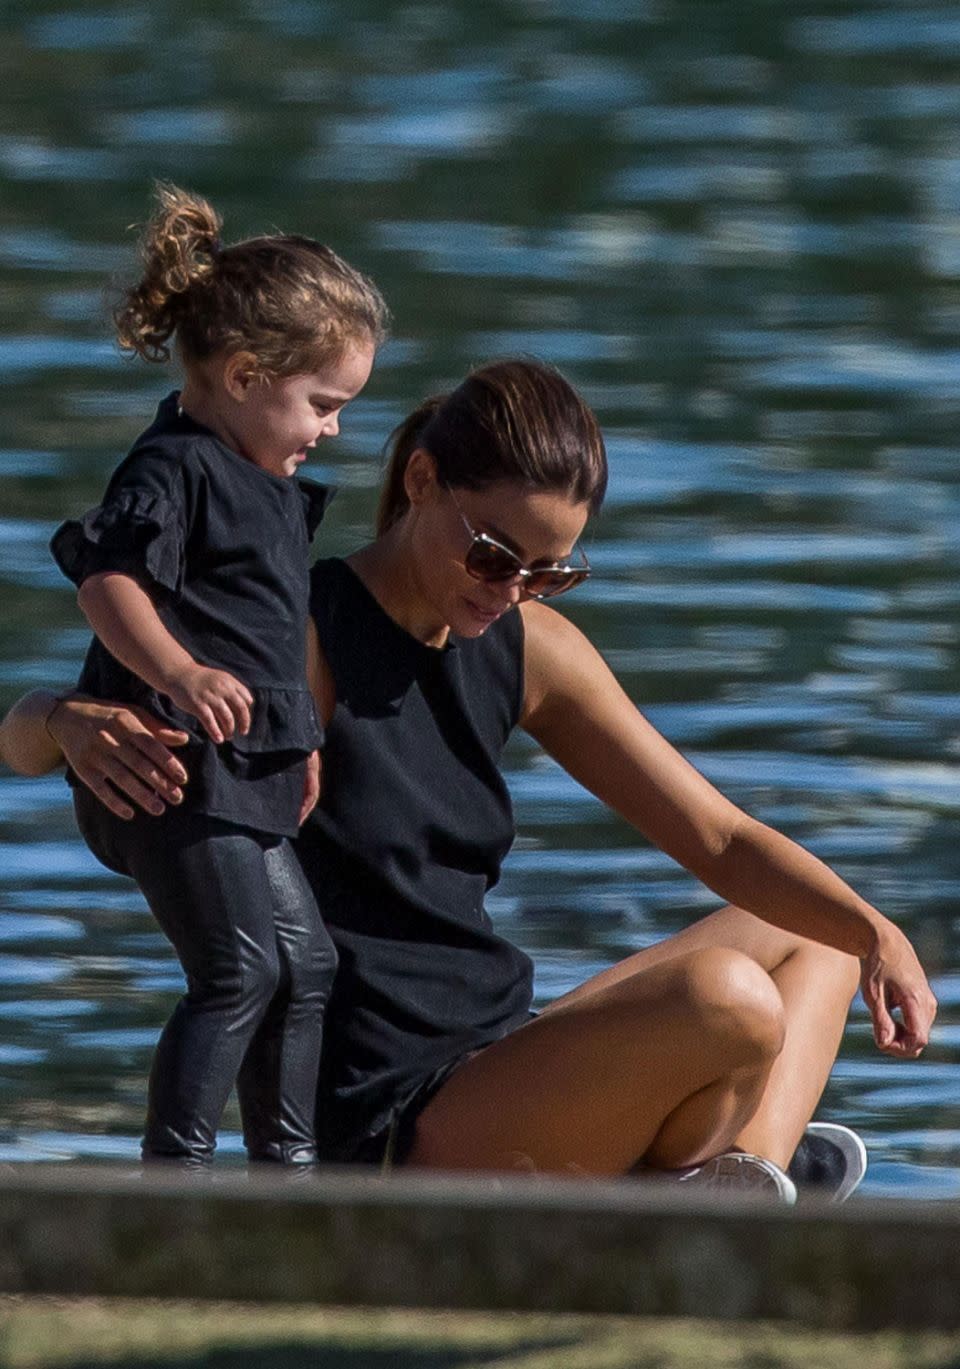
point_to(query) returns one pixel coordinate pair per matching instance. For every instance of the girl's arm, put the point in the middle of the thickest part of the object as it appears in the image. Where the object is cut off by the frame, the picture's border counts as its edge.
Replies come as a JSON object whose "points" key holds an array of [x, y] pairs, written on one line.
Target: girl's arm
{"points": [[116, 751], [119, 750], [578, 712], [122, 615]]}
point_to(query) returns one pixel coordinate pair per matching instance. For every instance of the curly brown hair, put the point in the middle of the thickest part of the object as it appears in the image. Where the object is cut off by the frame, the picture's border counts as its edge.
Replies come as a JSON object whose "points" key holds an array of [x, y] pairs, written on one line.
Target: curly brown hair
{"points": [[290, 301]]}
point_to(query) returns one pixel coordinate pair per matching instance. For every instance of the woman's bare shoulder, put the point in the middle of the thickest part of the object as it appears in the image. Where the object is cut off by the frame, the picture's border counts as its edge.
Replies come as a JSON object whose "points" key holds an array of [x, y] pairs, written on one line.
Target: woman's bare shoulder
{"points": [[558, 659]]}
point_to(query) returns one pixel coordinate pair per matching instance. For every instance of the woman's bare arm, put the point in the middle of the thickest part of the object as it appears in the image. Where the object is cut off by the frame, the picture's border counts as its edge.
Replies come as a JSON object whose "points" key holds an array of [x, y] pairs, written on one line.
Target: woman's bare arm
{"points": [[578, 712], [26, 746], [119, 751], [319, 675]]}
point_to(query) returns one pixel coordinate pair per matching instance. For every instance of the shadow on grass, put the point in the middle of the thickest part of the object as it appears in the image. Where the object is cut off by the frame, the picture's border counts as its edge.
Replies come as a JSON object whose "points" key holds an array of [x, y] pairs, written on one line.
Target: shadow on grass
{"points": [[334, 1354]]}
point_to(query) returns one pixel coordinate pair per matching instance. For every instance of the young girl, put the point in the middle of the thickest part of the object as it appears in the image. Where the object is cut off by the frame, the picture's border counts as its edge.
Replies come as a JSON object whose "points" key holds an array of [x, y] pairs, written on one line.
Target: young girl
{"points": [[193, 575]]}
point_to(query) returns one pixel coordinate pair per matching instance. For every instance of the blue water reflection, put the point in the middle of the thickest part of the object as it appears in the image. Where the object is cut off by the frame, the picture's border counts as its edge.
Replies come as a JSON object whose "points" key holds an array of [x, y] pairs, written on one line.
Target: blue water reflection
{"points": [[736, 228]]}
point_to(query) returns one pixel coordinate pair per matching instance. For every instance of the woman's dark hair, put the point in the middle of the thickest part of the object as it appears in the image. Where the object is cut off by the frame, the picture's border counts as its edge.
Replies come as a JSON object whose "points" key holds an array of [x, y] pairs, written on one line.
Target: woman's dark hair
{"points": [[290, 301], [516, 420]]}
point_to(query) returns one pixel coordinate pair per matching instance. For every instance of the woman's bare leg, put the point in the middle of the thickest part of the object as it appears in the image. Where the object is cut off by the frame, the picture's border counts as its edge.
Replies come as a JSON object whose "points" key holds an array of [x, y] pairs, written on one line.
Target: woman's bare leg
{"points": [[643, 1062], [816, 984], [672, 1058]]}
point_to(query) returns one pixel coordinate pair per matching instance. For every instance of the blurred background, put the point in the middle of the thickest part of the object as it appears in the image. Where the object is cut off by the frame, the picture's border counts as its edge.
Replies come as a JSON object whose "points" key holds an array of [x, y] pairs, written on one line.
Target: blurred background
{"points": [[736, 226]]}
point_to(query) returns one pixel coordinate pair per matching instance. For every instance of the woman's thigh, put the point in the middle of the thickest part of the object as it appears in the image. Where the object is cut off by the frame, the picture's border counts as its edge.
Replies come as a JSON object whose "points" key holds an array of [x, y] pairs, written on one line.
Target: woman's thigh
{"points": [[589, 1085], [728, 927]]}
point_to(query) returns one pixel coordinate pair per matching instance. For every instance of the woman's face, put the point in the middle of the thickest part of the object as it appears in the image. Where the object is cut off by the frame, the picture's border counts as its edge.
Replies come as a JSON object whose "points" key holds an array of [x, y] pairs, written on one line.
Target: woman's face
{"points": [[538, 526]]}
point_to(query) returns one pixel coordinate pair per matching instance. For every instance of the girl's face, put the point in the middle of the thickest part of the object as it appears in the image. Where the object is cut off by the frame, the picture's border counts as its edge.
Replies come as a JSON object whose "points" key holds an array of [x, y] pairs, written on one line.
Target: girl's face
{"points": [[541, 527], [275, 422]]}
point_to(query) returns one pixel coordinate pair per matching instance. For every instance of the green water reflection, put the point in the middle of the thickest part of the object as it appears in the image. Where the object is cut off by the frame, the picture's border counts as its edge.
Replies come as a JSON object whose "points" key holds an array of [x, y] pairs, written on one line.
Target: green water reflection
{"points": [[737, 227]]}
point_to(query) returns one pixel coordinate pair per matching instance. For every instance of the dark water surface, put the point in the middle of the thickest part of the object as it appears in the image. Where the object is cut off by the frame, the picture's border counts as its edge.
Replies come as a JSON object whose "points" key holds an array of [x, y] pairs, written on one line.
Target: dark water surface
{"points": [[737, 228]]}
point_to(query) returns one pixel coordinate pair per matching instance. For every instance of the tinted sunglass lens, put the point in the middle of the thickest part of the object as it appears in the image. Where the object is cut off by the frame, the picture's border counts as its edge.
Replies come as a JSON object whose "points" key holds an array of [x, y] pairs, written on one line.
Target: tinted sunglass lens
{"points": [[547, 583], [489, 560], [486, 561]]}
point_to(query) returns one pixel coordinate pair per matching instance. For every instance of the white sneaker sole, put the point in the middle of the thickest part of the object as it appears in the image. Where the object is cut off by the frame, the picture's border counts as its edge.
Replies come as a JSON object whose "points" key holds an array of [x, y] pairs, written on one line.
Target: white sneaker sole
{"points": [[854, 1154], [737, 1172]]}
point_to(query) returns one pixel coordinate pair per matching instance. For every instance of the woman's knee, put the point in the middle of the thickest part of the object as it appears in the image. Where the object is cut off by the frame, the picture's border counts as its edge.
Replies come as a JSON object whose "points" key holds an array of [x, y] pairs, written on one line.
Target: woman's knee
{"points": [[736, 999], [829, 968]]}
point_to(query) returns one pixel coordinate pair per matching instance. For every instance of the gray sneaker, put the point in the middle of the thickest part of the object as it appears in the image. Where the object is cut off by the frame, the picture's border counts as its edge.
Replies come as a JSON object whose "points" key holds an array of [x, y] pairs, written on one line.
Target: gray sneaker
{"points": [[737, 1172], [830, 1161]]}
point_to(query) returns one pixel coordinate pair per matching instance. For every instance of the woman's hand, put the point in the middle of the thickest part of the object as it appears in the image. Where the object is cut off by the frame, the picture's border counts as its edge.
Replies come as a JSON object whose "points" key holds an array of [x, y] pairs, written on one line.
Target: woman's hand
{"points": [[311, 786], [892, 978], [119, 750]]}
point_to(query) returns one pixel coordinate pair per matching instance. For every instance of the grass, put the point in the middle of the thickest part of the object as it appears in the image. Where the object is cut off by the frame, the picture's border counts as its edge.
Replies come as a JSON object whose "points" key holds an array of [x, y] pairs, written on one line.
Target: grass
{"points": [[58, 1333]]}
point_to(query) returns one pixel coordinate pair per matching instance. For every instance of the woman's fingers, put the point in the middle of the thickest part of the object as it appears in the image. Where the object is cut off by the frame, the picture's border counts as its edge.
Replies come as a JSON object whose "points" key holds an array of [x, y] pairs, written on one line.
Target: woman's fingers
{"points": [[144, 758], [871, 986], [137, 760], [887, 992], [122, 778], [917, 1011], [169, 736], [110, 780], [118, 753], [154, 739], [107, 796], [140, 781], [145, 763], [884, 1027], [311, 787]]}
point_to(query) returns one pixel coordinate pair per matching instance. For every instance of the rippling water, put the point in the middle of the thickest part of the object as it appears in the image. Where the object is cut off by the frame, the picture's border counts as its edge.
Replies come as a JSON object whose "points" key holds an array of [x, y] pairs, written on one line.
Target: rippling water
{"points": [[737, 228]]}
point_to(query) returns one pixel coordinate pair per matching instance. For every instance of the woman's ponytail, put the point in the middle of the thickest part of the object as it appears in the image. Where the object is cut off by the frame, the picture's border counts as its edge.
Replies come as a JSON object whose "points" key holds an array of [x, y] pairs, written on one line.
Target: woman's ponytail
{"points": [[400, 446], [178, 249]]}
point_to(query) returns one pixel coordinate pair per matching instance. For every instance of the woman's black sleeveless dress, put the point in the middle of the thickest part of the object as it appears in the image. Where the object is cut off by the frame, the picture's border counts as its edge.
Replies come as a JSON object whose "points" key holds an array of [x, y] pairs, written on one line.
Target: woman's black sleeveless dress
{"points": [[413, 825]]}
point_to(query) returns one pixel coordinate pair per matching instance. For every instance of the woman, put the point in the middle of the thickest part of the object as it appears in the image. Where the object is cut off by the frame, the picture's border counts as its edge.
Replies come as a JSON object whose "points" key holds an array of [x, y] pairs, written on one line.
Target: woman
{"points": [[704, 1055]]}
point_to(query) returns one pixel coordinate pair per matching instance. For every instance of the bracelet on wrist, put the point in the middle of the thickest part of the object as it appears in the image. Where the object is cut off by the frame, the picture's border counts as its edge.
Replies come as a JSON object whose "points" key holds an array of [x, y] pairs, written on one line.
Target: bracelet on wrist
{"points": [[58, 699]]}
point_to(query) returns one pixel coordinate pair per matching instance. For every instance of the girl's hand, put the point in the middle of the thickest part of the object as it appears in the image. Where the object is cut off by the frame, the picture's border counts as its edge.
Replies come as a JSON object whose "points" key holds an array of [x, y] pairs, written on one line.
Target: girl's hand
{"points": [[220, 701], [120, 750], [891, 978], [311, 786]]}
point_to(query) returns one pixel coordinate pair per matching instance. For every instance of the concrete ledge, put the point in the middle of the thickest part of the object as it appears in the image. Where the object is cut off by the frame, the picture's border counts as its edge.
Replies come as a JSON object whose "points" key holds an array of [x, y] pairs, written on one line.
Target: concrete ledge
{"points": [[477, 1242]]}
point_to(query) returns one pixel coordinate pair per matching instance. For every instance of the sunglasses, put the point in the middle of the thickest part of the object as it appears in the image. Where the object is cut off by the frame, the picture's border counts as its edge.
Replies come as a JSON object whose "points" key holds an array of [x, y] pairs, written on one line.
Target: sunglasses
{"points": [[487, 559]]}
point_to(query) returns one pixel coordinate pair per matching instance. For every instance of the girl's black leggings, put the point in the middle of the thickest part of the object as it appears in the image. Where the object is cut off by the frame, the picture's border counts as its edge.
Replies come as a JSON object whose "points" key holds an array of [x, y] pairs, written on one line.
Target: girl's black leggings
{"points": [[259, 965]]}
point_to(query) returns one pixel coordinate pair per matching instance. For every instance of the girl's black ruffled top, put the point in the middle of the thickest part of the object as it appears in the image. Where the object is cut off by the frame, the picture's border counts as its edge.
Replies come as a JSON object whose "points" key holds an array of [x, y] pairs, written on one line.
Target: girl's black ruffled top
{"points": [[221, 547]]}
